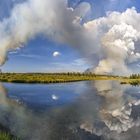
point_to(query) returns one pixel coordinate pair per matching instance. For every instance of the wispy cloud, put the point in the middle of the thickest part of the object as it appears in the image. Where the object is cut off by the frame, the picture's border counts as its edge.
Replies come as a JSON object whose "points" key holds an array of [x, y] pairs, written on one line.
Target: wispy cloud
{"points": [[30, 56], [13, 52], [25, 55], [77, 65]]}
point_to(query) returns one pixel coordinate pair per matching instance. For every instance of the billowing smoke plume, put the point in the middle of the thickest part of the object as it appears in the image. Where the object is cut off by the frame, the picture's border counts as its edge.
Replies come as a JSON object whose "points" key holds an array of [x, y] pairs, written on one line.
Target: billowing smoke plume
{"points": [[52, 18], [111, 43], [118, 37]]}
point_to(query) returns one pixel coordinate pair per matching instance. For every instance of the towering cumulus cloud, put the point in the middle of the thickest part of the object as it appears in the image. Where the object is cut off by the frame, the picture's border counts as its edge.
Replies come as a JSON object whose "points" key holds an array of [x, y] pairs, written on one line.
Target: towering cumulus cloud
{"points": [[118, 37], [110, 43]]}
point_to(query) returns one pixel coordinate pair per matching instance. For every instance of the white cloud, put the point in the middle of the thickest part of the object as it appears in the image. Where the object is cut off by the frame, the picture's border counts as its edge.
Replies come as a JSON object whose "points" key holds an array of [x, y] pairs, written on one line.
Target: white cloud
{"points": [[13, 52], [77, 65], [107, 42], [56, 53], [116, 36], [27, 21], [80, 62]]}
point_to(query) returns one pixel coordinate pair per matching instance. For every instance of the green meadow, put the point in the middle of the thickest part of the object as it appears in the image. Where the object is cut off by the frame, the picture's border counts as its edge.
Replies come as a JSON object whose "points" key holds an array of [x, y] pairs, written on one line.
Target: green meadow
{"points": [[53, 77], [64, 77]]}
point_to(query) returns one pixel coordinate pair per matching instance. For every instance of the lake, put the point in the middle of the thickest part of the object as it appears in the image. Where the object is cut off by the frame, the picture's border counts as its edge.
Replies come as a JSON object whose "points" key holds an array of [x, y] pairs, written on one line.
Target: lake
{"points": [[88, 110]]}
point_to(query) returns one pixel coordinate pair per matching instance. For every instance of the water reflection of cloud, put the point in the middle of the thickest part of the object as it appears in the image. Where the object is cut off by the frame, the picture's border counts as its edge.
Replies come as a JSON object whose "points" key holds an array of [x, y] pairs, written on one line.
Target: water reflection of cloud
{"points": [[116, 111], [61, 123], [103, 111], [54, 97]]}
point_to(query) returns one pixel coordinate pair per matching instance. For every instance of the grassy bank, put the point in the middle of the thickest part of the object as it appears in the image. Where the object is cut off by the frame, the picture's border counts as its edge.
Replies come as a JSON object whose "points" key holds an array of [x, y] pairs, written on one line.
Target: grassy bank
{"points": [[134, 82], [52, 78], [133, 79], [64, 77]]}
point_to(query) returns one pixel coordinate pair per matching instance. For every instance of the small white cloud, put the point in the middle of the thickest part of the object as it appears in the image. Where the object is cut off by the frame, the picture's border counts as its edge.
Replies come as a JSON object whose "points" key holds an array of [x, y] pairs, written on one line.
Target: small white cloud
{"points": [[56, 53]]}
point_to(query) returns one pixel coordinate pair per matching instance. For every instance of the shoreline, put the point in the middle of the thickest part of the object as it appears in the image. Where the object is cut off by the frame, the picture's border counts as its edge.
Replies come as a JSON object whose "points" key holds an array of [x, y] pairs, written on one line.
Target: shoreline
{"points": [[50, 78], [42, 78], [133, 82]]}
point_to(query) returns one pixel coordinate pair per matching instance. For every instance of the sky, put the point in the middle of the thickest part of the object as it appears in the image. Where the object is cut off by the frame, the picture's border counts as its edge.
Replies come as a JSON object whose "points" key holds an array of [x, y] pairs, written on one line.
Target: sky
{"points": [[42, 54]]}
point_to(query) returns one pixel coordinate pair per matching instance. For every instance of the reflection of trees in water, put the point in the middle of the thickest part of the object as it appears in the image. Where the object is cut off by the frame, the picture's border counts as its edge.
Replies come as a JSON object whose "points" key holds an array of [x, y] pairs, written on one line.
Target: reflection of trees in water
{"points": [[101, 113]]}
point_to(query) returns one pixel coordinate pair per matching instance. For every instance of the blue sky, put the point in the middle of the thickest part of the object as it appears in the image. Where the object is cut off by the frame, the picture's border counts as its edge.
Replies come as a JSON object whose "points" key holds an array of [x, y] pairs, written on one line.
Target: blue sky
{"points": [[37, 54]]}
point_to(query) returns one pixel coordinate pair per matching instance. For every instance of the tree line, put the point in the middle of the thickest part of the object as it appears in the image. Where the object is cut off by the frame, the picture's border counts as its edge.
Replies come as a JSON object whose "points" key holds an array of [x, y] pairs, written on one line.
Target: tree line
{"points": [[135, 76]]}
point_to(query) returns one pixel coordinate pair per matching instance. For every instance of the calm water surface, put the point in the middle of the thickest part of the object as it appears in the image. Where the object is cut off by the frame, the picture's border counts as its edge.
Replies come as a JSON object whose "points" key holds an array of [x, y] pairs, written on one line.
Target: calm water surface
{"points": [[99, 110]]}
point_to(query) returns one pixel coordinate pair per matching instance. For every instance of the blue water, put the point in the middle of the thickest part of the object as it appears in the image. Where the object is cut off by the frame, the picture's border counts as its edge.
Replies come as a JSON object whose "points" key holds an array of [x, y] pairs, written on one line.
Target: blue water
{"points": [[41, 96], [99, 110]]}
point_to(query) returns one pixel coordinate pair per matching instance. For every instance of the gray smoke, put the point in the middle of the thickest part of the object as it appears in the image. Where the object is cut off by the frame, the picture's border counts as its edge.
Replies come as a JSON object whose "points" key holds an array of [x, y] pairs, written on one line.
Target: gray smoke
{"points": [[116, 35], [53, 18]]}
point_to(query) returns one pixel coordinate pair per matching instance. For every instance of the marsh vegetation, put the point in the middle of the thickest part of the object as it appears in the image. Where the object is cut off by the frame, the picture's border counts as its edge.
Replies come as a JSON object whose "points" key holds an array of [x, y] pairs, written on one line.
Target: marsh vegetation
{"points": [[133, 80], [52, 77]]}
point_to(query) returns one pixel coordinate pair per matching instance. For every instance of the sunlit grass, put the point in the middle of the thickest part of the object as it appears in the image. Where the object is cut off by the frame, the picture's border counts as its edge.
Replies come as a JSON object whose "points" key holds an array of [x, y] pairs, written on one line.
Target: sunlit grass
{"points": [[64, 77], [52, 77]]}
